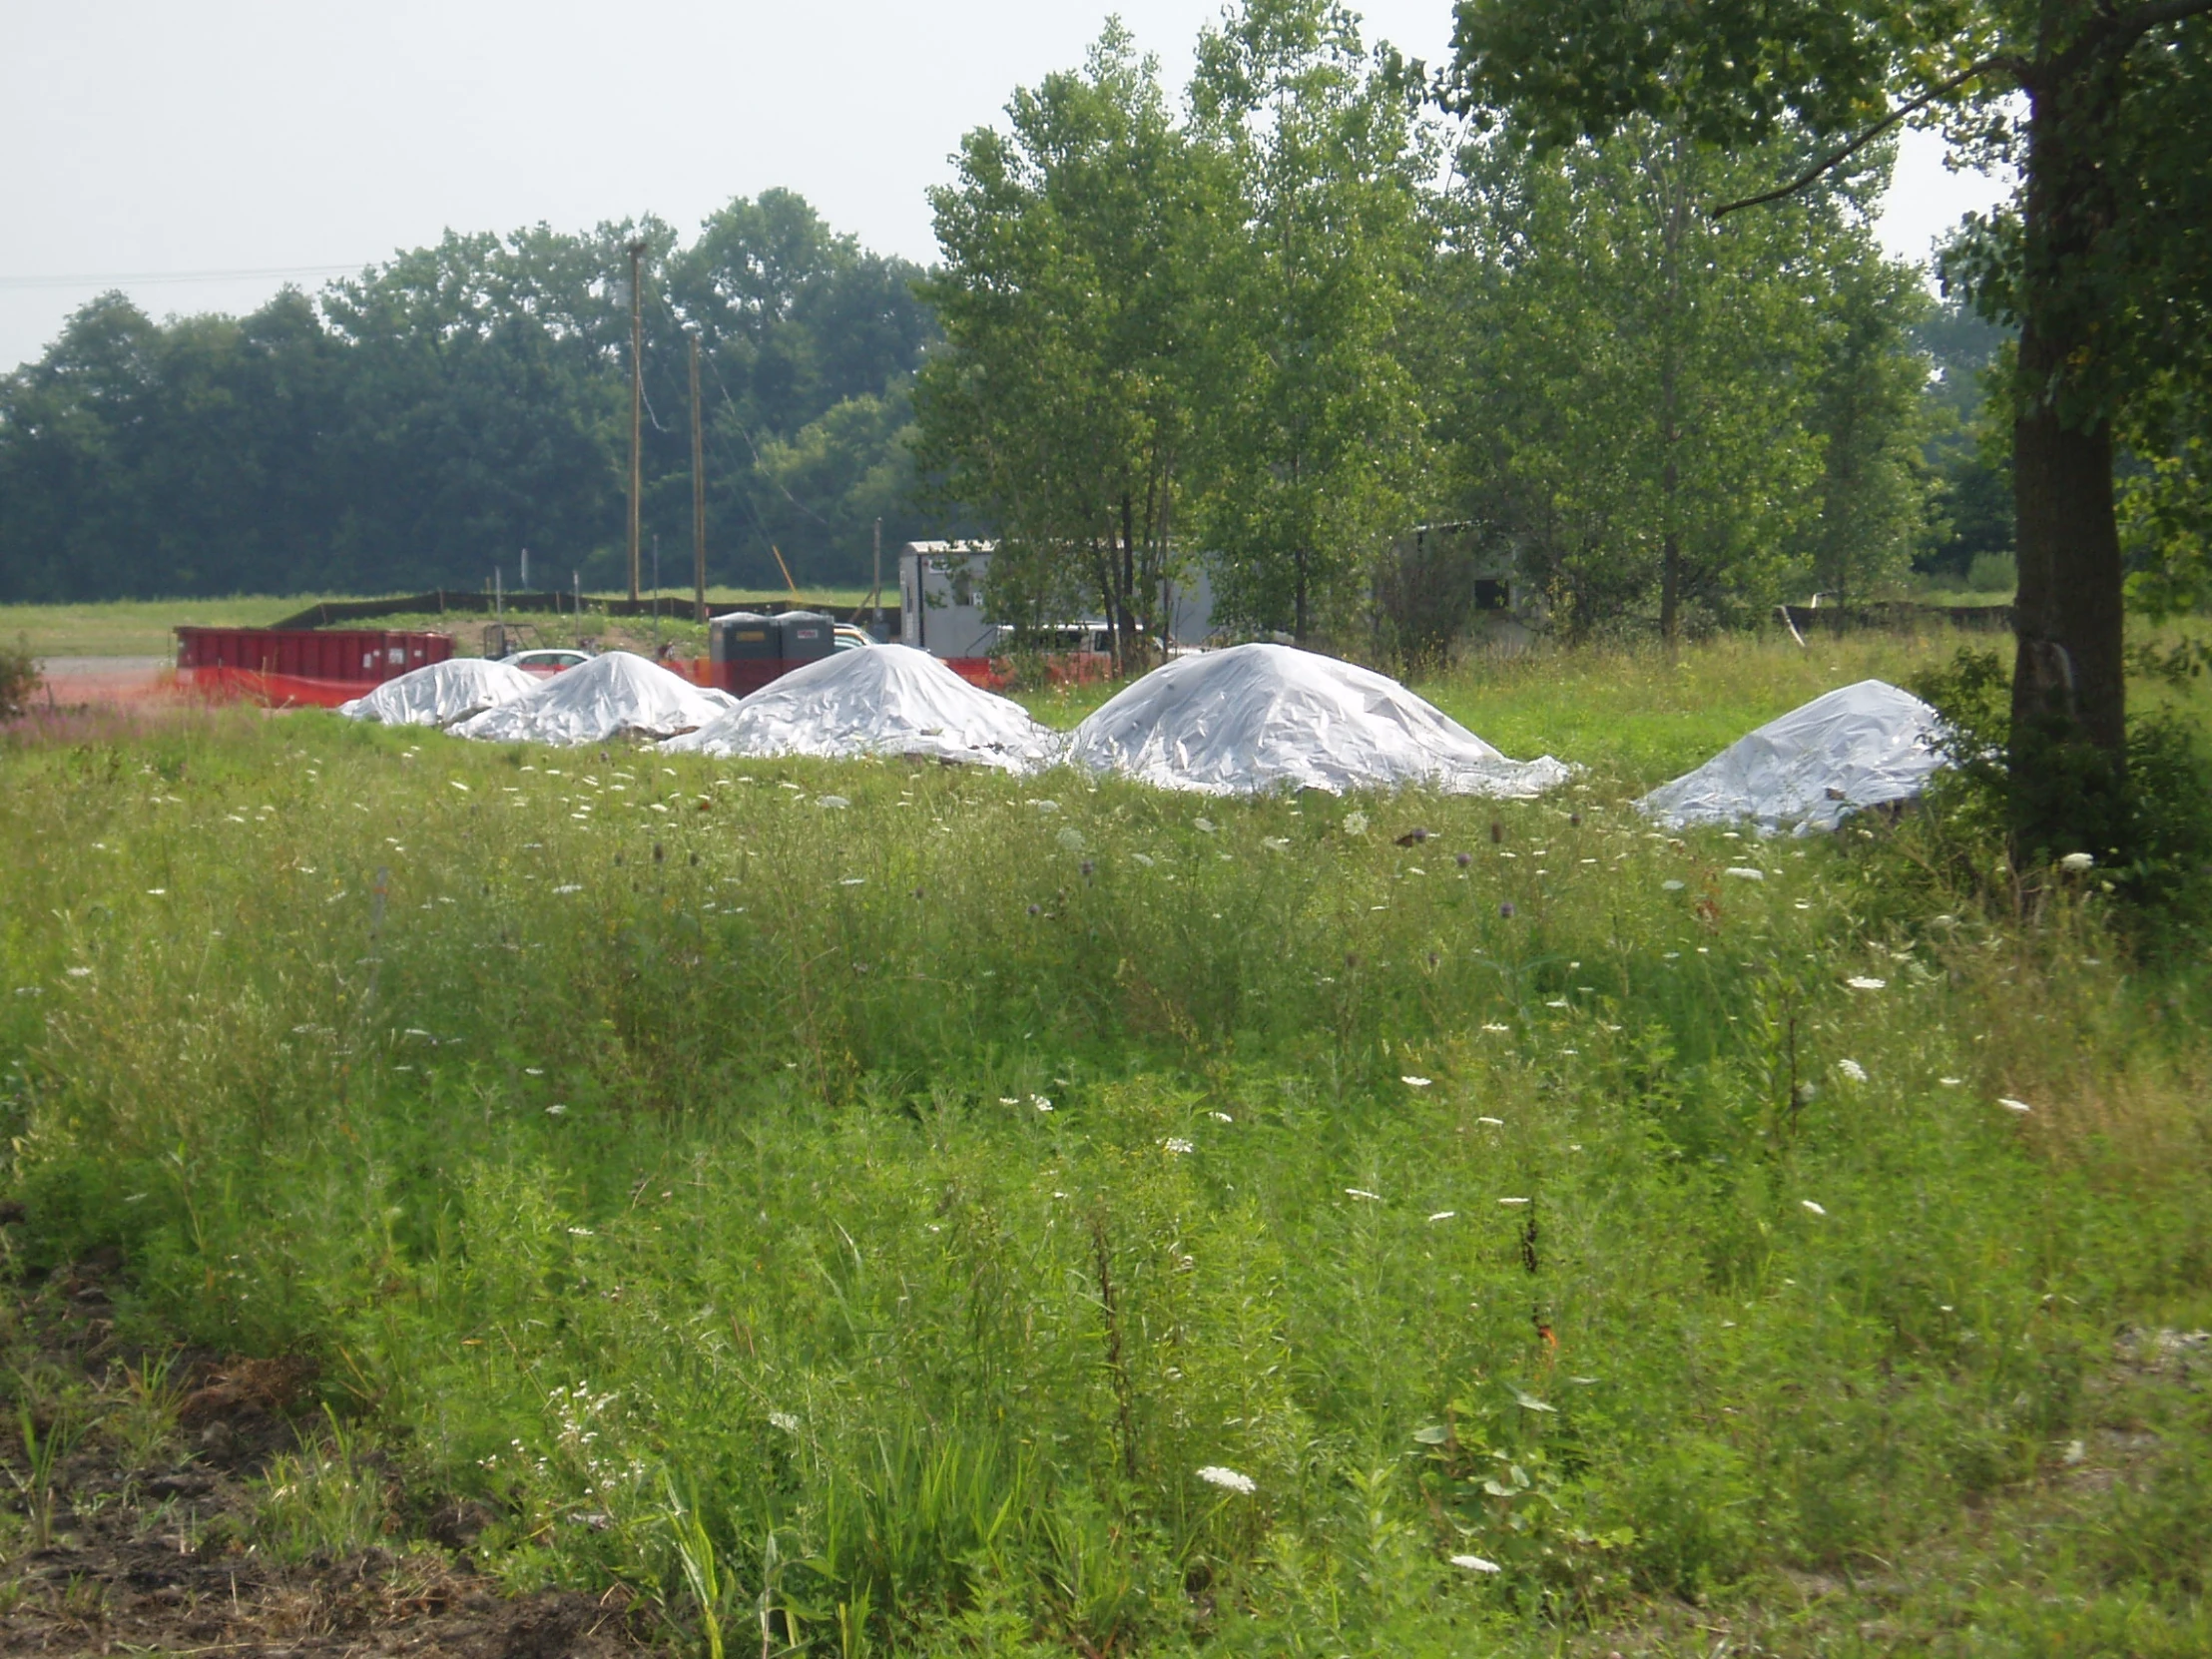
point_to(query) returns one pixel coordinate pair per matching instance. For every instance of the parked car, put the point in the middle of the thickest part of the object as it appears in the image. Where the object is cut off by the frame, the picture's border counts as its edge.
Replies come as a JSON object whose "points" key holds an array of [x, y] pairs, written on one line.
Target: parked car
{"points": [[546, 661], [845, 637]]}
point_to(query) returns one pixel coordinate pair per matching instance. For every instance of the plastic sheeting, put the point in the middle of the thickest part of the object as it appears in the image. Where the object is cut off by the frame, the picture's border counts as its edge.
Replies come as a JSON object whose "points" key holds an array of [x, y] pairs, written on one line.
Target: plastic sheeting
{"points": [[1860, 746], [887, 700], [618, 695], [1263, 717], [442, 693]]}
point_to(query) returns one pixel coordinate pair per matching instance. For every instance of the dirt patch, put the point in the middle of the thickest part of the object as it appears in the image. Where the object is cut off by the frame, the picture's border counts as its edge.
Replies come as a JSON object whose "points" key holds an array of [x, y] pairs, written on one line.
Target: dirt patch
{"points": [[138, 1521]]}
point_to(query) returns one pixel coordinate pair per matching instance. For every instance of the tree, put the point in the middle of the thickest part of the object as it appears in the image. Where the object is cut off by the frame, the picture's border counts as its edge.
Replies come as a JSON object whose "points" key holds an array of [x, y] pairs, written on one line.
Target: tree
{"points": [[1671, 416], [1061, 406], [1873, 420], [1312, 418], [2115, 145]]}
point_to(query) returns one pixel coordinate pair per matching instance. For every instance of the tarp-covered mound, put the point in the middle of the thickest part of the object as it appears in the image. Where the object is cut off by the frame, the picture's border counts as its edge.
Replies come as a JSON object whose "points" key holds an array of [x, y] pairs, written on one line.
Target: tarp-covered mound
{"points": [[1862, 746], [442, 693], [619, 694], [886, 700], [1262, 716]]}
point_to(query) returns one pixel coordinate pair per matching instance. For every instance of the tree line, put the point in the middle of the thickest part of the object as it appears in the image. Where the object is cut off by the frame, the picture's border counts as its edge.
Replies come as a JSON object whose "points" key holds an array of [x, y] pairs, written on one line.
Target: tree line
{"points": [[421, 424], [1270, 329]]}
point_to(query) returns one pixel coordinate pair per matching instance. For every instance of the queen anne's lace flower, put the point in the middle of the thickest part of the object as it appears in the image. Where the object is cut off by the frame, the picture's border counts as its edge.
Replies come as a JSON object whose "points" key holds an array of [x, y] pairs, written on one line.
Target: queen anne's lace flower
{"points": [[1229, 1480]]}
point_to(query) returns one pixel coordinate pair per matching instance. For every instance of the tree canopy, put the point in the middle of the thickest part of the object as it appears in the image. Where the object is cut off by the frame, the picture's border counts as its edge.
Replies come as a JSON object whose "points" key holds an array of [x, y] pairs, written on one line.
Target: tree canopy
{"points": [[425, 421]]}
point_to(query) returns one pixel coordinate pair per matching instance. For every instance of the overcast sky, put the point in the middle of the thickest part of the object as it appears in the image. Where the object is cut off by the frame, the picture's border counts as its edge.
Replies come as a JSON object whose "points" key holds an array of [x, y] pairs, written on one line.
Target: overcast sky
{"points": [[166, 149]]}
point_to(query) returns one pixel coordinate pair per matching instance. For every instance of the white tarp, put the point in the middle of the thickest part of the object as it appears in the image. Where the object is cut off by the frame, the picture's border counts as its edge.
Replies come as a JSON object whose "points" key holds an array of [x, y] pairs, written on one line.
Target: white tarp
{"points": [[886, 700], [1262, 716], [442, 693], [618, 695], [1859, 746]]}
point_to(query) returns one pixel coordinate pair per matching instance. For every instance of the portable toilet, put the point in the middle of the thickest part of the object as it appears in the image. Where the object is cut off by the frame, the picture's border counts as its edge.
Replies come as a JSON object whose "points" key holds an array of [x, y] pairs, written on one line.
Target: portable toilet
{"points": [[807, 636], [745, 651]]}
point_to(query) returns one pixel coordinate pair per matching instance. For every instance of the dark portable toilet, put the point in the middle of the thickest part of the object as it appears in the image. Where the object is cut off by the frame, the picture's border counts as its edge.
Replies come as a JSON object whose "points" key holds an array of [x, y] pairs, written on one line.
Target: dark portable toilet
{"points": [[807, 636], [745, 650]]}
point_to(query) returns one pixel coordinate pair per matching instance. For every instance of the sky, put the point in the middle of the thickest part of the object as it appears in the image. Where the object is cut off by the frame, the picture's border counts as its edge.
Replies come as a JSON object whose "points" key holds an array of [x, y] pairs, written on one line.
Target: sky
{"points": [[196, 157]]}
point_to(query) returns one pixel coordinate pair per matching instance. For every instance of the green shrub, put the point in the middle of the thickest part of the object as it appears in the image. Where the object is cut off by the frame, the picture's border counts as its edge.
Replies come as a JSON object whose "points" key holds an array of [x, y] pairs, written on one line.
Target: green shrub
{"points": [[20, 679], [1992, 573]]}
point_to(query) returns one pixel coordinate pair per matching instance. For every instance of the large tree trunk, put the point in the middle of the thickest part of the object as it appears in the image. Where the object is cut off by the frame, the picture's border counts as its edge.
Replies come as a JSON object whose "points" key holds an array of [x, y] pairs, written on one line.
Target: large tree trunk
{"points": [[2069, 695]]}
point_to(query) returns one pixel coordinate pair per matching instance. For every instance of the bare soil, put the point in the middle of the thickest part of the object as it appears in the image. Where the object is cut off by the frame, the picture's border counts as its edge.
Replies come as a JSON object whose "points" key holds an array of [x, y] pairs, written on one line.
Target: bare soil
{"points": [[158, 1555]]}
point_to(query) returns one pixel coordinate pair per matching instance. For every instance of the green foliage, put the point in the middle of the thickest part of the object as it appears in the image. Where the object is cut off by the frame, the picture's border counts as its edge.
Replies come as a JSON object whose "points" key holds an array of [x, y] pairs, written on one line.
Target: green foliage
{"points": [[1666, 416], [418, 424], [1314, 419], [20, 679], [926, 1188], [322, 1500], [2149, 831], [1994, 573], [1063, 408]]}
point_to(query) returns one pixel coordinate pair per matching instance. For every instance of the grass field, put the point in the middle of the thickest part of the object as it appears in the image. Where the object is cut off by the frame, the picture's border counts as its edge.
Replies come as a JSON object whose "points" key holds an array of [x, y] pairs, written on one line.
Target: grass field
{"points": [[143, 628], [871, 1208]]}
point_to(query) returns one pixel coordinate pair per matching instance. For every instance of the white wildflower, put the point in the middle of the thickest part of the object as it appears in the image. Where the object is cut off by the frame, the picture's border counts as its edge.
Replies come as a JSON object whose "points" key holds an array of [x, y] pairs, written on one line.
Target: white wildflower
{"points": [[1415, 1082], [1862, 982], [1951, 1082], [1008, 1100], [581, 1232], [1276, 844], [1444, 1215], [79, 972], [1852, 1070], [1363, 1193], [1670, 885], [852, 880], [1229, 1480], [559, 1108], [570, 887], [2011, 1105], [1815, 1208], [1204, 825], [1494, 1123], [832, 803], [1072, 839], [1511, 1202], [783, 1421], [1144, 859], [2076, 862], [1178, 1145], [1047, 806], [1355, 823], [1221, 1117], [1493, 1026], [1475, 1563], [1744, 872], [1041, 1104]]}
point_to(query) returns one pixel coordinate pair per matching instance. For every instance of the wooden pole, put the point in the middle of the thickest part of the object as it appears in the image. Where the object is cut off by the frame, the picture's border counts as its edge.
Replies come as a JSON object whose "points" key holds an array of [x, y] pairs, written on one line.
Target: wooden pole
{"points": [[698, 490], [637, 402]]}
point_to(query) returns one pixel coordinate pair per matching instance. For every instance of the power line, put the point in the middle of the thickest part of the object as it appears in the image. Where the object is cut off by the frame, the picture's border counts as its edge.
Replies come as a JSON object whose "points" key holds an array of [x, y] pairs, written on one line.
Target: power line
{"points": [[97, 278]]}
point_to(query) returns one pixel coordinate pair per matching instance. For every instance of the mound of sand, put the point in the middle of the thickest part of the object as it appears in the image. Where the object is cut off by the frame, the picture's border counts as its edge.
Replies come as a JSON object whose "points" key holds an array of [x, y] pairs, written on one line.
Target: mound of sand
{"points": [[1864, 745], [886, 700], [619, 694], [1263, 717], [442, 693]]}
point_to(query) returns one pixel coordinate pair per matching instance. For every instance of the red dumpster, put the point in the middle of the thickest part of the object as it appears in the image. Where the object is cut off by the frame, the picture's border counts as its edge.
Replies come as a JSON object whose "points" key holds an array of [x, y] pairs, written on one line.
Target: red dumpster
{"points": [[324, 666]]}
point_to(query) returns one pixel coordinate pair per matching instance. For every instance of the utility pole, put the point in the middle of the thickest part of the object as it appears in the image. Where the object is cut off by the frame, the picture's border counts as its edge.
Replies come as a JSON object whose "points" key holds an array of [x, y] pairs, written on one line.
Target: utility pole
{"points": [[875, 622], [698, 489], [637, 402]]}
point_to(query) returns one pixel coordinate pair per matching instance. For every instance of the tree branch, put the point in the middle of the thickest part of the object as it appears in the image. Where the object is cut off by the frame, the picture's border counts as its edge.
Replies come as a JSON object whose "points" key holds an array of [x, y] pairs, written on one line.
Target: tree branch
{"points": [[2147, 18], [1943, 89]]}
